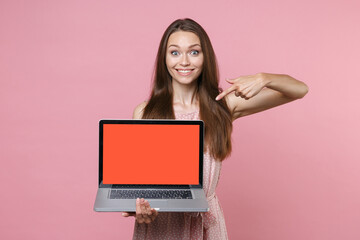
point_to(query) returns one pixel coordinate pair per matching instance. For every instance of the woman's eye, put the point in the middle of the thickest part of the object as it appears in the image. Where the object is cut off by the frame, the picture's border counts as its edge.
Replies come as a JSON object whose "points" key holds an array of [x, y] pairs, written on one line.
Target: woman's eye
{"points": [[193, 52]]}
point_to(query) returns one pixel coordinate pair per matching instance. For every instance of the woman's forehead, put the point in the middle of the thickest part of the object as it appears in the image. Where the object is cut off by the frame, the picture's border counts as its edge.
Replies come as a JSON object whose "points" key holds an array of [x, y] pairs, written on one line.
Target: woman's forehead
{"points": [[183, 39]]}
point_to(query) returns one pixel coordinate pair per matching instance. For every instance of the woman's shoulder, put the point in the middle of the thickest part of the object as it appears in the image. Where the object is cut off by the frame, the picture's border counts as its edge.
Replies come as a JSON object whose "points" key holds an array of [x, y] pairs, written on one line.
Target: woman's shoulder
{"points": [[139, 110]]}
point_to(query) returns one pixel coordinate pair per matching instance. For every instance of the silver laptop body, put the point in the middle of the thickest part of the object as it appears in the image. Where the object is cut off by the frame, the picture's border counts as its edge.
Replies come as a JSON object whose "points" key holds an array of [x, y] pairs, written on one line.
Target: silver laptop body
{"points": [[173, 153]]}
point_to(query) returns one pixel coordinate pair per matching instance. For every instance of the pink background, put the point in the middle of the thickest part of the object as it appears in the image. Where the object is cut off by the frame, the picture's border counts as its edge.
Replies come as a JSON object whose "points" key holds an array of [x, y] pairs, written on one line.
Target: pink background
{"points": [[294, 171]]}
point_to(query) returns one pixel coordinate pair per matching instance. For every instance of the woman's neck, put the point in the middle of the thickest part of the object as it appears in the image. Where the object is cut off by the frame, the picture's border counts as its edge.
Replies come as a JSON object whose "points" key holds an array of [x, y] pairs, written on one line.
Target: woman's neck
{"points": [[185, 97]]}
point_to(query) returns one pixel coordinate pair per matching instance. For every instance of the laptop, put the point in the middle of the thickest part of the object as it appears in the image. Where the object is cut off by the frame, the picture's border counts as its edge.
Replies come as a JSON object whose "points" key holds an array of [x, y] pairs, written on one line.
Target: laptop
{"points": [[158, 160]]}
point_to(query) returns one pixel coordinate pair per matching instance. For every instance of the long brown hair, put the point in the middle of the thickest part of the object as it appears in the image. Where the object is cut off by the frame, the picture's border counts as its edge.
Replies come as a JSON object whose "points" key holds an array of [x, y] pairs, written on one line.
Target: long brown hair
{"points": [[216, 114]]}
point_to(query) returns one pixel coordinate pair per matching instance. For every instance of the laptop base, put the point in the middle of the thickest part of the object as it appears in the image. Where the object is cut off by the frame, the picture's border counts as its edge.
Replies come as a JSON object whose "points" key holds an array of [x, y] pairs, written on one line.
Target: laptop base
{"points": [[198, 204]]}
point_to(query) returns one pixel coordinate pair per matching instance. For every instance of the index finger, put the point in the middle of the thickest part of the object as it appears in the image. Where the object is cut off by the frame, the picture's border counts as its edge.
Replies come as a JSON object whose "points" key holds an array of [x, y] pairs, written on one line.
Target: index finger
{"points": [[138, 214], [224, 93], [138, 208]]}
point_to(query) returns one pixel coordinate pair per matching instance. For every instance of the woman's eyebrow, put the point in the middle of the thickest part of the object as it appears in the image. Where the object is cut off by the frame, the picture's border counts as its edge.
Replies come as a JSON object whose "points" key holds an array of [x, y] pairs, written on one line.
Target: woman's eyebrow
{"points": [[193, 45]]}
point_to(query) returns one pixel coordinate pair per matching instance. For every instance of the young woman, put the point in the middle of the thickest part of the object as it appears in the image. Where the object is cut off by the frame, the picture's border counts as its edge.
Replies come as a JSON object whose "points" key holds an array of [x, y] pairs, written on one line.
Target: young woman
{"points": [[186, 86]]}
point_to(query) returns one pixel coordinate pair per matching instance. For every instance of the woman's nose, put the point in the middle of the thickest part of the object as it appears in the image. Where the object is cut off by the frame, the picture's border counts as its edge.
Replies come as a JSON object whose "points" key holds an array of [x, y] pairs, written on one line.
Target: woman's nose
{"points": [[184, 60]]}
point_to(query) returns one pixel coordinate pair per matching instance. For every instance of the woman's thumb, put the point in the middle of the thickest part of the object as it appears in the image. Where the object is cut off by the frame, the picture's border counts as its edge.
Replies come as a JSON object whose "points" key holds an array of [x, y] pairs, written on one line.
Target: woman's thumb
{"points": [[229, 80]]}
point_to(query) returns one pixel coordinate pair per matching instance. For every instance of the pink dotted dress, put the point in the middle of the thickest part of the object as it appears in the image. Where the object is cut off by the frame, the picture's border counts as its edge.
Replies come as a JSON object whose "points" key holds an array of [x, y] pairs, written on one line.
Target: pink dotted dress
{"points": [[210, 225]]}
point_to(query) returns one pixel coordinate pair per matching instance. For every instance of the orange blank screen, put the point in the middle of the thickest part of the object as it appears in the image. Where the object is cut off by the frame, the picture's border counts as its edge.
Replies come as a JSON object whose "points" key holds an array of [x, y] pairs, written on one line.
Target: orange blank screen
{"points": [[150, 154]]}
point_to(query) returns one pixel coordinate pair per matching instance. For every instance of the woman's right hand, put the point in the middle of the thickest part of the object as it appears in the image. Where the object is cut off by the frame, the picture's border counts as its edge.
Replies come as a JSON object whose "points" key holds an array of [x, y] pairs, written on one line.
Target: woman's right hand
{"points": [[144, 213]]}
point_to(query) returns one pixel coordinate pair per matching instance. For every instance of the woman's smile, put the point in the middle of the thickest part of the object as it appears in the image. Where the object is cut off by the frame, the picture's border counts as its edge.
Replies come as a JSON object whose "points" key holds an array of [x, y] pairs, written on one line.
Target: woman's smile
{"points": [[184, 72]]}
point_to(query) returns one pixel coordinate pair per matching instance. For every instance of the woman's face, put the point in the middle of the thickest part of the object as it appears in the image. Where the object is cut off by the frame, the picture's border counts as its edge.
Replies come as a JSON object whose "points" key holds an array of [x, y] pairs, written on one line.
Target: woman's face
{"points": [[184, 57]]}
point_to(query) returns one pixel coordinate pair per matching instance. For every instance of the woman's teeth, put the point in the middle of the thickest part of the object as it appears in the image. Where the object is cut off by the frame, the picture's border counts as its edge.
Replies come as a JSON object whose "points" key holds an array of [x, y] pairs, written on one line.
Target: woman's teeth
{"points": [[184, 72]]}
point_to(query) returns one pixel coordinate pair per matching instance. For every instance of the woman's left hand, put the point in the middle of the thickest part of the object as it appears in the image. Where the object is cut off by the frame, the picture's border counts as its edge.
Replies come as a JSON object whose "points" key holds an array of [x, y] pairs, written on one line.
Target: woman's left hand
{"points": [[245, 86]]}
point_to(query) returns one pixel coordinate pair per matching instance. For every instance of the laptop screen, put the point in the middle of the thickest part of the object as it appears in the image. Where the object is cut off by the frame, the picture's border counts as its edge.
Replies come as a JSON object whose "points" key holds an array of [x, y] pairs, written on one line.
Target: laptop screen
{"points": [[155, 154]]}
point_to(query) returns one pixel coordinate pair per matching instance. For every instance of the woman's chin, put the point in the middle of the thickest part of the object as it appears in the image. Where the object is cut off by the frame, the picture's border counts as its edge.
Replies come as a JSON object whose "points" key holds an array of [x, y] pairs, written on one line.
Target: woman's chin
{"points": [[185, 81]]}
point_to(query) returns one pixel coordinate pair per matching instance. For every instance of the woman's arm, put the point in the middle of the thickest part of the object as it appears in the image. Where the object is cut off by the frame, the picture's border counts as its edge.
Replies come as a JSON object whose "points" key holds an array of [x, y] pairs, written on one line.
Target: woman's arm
{"points": [[262, 91]]}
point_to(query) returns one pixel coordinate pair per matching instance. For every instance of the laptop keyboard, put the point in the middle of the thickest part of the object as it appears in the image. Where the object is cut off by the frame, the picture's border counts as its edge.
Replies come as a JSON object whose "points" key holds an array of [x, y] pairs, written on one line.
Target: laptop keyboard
{"points": [[150, 194]]}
